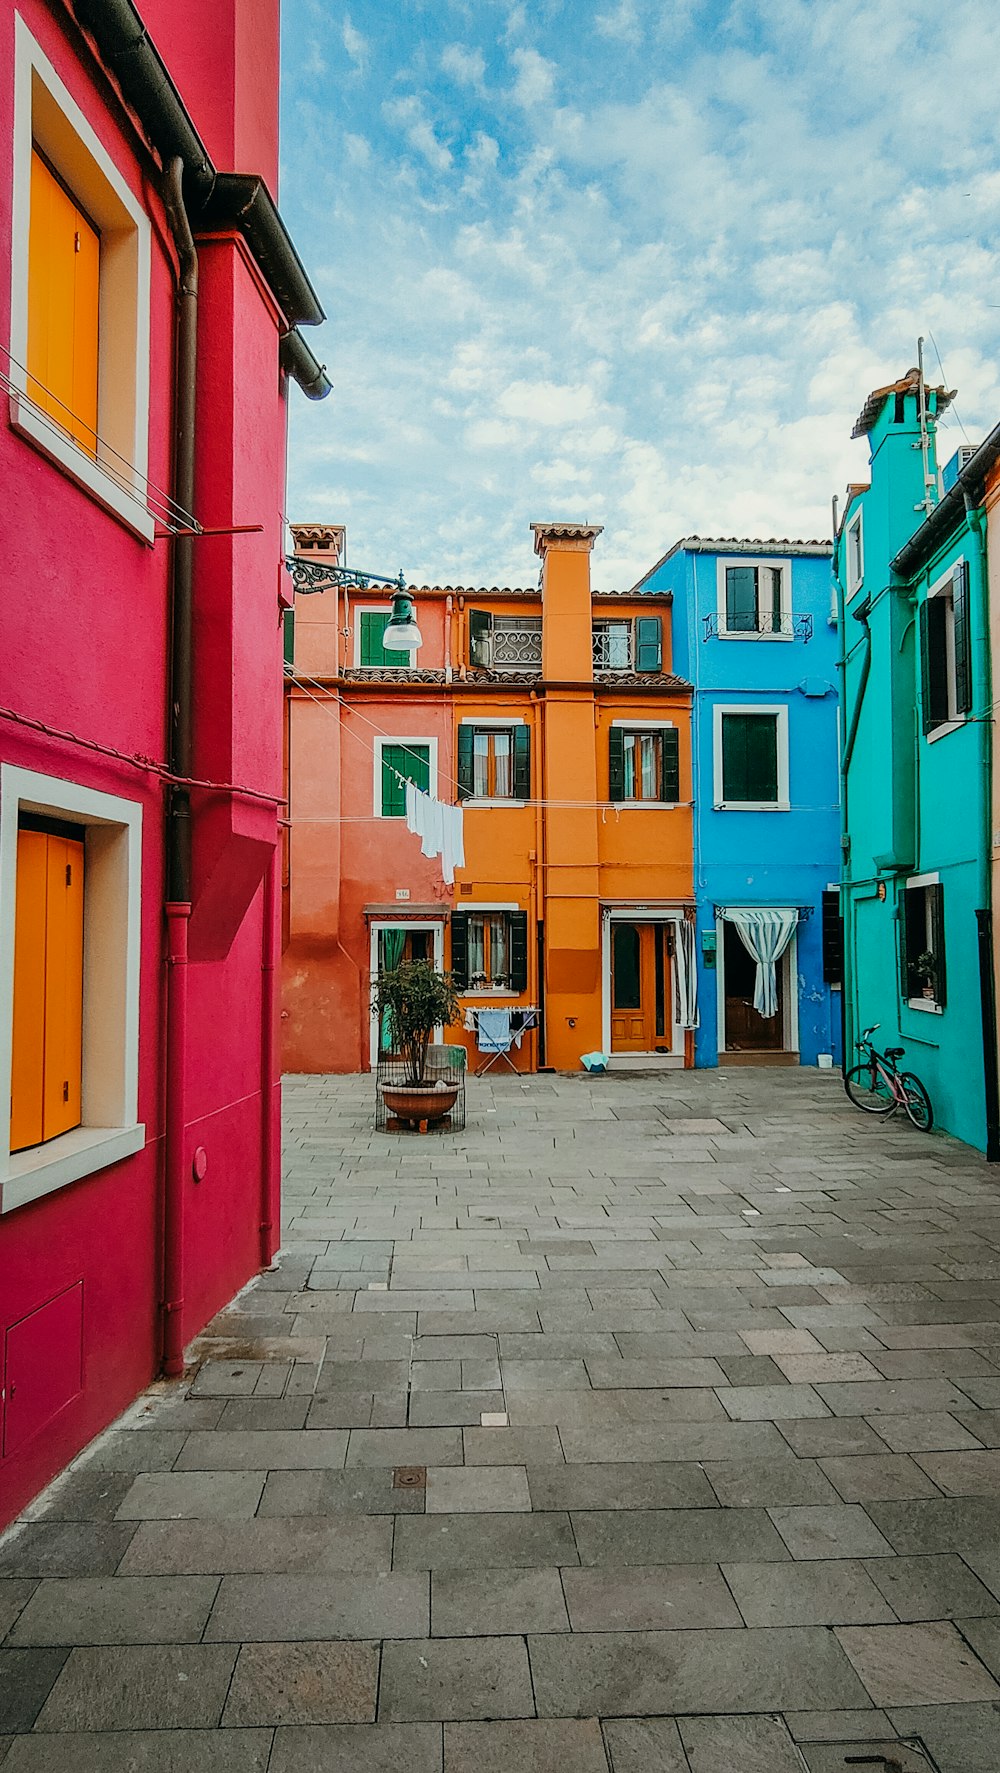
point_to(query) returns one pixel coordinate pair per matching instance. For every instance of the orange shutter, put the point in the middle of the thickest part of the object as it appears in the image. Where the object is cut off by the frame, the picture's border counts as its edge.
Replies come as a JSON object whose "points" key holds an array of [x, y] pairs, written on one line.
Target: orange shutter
{"points": [[28, 1046], [63, 987], [64, 252]]}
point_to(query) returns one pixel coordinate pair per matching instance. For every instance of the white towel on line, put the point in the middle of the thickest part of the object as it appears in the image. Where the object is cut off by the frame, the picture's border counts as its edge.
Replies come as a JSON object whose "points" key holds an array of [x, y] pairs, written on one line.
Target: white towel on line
{"points": [[441, 829]]}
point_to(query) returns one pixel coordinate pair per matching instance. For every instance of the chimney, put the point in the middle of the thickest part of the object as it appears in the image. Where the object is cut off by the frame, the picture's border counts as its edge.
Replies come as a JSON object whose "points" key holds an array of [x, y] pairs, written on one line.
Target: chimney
{"points": [[320, 541], [565, 550]]}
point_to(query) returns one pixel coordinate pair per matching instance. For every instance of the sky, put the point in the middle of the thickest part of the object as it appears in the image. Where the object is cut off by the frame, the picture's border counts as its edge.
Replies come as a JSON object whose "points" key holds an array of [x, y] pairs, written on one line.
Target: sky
{"points": [[630, 262]]}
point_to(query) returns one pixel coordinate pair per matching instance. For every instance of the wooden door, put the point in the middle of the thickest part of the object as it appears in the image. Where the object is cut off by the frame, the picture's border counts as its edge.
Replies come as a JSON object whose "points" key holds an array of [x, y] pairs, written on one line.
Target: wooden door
{"points": [[641, 1015], [746, 1031]]}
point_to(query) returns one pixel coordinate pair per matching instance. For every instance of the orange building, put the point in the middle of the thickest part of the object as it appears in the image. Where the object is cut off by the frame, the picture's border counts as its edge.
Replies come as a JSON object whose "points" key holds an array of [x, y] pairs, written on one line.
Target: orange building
{"points": [[552, 714]]}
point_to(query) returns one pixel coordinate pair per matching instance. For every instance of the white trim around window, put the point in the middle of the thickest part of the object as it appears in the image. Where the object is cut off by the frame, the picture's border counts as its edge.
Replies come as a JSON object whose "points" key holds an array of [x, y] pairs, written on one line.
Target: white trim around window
{"points": [[854, 554], [406, 661], [765, 610], [46, 114], [112, 922], [384, 739], [782, 804], [435, 926], [493, 723]]}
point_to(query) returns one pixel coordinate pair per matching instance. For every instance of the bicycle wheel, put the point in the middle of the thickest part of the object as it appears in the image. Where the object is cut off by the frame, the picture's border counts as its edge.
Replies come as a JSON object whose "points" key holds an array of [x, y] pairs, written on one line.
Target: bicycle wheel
{"points": [[916, 1102], [867, 1089]]}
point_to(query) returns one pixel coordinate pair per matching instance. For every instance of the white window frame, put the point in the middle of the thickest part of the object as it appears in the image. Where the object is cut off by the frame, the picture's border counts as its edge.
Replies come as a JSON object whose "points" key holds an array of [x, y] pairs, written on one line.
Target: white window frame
{"points": [[407, 660], [674, 1059], [783, 565], [493, 723], [112, 924], [945, 587], [384, 739], [645, 806], [436, 927], [782, 804], [45, 112], [855, 529], [928, 1006], [789, 960]]}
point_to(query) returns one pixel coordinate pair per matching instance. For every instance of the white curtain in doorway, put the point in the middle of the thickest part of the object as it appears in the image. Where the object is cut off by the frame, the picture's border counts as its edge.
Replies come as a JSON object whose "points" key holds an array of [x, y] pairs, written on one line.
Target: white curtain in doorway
{"points": [[765, 932], [686, 975]]}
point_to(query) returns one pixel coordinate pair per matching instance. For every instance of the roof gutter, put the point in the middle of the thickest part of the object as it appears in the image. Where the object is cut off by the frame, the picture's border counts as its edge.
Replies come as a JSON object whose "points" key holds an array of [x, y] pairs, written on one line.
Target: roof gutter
{"points": [[928, 538], [214, 199]]}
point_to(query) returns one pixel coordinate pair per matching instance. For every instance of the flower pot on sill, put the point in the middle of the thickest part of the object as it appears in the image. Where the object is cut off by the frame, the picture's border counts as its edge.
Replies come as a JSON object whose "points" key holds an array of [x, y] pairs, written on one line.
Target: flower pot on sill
{"points": [[420, 1105], [927, 991]]}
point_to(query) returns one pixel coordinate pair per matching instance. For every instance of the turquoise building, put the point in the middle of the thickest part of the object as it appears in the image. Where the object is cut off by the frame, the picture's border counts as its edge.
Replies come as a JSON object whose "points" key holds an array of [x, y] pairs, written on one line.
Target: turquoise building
{"points": [[909, 567]]}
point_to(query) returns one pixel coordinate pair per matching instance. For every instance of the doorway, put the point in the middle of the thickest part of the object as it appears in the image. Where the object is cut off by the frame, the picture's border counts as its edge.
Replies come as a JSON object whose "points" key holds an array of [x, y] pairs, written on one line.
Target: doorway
{"points": [[745, 1031], [391, 945], [641, 987]]}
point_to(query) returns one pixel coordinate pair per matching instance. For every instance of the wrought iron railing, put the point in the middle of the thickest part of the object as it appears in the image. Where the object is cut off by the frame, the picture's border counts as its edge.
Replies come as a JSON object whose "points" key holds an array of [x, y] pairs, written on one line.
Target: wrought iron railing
{"points": [[612, 647], [514, 643], [764, 626]]}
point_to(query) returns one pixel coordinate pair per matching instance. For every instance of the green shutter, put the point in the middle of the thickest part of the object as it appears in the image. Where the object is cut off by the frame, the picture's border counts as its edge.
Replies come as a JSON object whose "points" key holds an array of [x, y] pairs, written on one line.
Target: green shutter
{"points": [[522, 763], [963, 638], [741, 599], [749, 757], [649, 644], [465, 736], [480, 624], [734, 757], [927, 718], [936, 894], [289, 638], [616, 763], [411, 761], [373, 625], [671, 764], [460, 949], [518, 921]]}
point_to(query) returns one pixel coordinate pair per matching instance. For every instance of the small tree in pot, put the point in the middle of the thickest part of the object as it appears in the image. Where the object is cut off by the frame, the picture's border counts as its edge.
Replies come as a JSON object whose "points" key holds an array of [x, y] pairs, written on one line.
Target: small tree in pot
{"points": [[410, 1002]]}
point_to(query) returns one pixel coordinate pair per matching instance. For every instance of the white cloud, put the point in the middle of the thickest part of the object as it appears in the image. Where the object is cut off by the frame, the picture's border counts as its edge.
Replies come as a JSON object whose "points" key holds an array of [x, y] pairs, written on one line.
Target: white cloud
{"points": [[409, 116], [621, 24], [355, 44], [466, 66], [535, 78]]}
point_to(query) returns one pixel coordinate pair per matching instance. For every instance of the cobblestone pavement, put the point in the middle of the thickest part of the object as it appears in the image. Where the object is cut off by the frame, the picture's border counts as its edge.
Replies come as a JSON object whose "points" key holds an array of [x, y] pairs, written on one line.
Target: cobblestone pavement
{"points": [[650, 1424]]}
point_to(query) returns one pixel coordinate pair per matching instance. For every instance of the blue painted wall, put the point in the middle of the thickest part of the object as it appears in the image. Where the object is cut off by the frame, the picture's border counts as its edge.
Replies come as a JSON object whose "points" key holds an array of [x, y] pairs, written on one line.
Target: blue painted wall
{"points": [[916, 805], [763, 857]]}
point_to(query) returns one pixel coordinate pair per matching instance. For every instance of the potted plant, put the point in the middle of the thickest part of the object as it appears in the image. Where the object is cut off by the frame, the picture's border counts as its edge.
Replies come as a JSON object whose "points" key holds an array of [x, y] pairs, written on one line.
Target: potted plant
{"points": [[925, 968], [411, 1001]]}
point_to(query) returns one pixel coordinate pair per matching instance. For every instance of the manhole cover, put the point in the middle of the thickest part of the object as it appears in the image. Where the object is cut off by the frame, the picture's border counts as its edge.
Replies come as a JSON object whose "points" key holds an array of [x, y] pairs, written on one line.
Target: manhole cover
{"points": [[409, 1477], [868, 1757]]}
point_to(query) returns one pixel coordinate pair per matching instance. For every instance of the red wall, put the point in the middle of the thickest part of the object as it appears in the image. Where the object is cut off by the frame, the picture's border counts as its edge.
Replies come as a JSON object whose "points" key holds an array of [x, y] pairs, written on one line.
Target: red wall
{"points": [[85, 647]]}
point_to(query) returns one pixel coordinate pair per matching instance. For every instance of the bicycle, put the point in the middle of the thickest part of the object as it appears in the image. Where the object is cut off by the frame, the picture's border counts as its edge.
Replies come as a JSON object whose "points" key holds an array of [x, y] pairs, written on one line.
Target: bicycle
{"points": [[877, 1086]]}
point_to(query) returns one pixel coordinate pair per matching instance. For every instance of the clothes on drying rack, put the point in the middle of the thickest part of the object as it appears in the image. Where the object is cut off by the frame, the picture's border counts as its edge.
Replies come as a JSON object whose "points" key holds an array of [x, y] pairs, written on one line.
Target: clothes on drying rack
{"points": [[441, 829], [521, 1019]]}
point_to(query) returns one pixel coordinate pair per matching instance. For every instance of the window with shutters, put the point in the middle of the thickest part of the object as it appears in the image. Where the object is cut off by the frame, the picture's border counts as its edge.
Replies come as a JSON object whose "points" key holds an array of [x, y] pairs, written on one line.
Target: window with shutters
{"points": [[644, 764], [79, 335], [754, 599], [70, 874], [923, 969], [489, 950], [398, 761], [369, 627], [946, 652], [625, 645], [833, 938], [494, 761], [751, 758]]}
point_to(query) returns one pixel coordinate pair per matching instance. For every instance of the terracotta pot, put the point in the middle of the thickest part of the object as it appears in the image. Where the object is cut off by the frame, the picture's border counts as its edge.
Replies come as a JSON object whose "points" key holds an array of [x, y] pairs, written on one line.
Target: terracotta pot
{"points": [[419, 1103]]}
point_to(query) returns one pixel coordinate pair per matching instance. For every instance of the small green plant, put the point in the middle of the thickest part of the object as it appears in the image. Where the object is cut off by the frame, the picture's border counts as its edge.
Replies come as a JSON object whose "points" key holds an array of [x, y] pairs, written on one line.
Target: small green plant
{"points": [[925, 966], [414, 999]]}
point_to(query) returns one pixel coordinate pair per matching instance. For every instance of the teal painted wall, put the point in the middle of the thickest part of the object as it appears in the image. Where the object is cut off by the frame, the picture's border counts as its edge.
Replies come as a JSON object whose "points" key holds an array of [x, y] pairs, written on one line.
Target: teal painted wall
{"points": [[915, 804]]}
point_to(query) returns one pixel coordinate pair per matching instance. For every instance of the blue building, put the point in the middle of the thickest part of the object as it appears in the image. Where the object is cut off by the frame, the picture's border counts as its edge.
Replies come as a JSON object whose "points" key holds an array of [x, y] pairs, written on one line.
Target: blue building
{"points": [[754, 631]]}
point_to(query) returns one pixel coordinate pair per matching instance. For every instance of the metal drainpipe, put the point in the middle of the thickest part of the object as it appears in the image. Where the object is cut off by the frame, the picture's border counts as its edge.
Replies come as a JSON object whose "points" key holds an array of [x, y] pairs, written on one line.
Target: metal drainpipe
{"points": [[984, 914], [270, 1171], [178, 825], [850, 735]]}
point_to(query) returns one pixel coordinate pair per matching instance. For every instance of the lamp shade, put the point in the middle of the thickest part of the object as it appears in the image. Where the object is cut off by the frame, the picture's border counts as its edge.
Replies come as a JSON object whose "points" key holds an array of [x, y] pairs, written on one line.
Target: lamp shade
{"points": [[401, 633]]}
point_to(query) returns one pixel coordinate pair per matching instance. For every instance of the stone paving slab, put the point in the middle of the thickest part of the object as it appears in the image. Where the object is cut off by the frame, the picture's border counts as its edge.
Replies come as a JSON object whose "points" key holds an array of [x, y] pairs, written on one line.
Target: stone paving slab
{"points": [[739, 1507]]}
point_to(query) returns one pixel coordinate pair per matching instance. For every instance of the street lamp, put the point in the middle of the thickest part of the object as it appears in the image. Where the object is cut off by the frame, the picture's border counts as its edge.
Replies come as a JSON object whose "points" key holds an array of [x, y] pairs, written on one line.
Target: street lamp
{"points": [[401, 634]]}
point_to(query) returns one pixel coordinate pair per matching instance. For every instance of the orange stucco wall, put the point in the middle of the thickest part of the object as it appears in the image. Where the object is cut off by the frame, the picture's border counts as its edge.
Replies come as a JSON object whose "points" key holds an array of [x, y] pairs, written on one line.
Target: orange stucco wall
{"points": [[560, 857]]}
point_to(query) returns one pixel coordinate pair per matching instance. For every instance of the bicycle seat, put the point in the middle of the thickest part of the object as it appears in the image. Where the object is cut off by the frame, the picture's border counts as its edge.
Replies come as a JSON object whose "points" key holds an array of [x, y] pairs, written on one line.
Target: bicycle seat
{"points": [[894, 1052]]}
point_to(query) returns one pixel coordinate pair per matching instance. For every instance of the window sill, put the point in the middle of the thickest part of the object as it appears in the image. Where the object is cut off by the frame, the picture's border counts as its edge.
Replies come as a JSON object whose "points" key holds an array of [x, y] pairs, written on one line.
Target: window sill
{"points": [[88, 474], [645, 806], [752, 806], [482, 801], [489, 991], [752, 634], [926, 1005], [46, 1168], [942, 731]]}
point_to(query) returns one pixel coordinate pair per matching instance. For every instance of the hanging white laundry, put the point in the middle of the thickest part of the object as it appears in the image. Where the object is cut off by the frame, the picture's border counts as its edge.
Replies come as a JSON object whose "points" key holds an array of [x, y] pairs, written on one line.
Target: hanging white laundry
{"points": [[441, 829], [686, 975]]}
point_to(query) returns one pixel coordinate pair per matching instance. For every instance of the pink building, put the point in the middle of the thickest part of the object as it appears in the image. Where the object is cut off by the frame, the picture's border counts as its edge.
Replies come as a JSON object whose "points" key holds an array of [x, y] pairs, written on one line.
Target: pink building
{"points": [[146, 339]]}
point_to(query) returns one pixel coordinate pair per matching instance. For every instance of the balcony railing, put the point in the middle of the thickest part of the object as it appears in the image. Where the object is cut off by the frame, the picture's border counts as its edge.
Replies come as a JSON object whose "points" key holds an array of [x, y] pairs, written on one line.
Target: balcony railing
{"points": [[514, 643], [613, 648], [765, 626]]}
